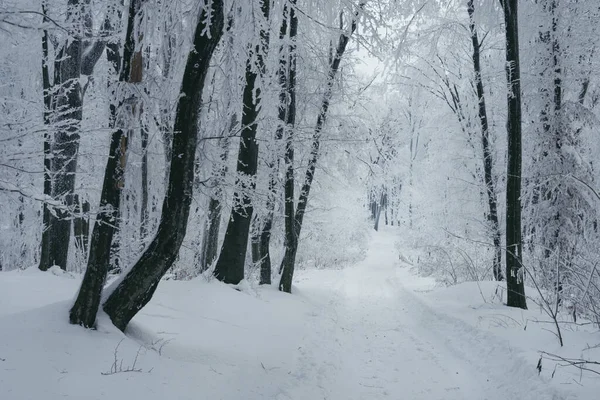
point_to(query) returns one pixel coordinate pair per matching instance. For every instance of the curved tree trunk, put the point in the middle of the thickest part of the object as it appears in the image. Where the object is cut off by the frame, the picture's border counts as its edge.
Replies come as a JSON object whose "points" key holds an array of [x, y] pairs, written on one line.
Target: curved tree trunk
{"points": [[138, 286], [86, 305]]}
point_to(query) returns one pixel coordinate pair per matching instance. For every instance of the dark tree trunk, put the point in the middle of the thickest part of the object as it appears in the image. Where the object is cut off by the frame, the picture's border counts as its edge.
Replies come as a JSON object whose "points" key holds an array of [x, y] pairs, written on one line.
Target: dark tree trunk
{"points": [[487, 151], [230, 265], [263, 255], [114, 57], [135, 71], [380, 204], [76, 57], [210, 239], [144, 215], [81, 225], [515, 272], [86, 305], [291, 229], [286, 114], [293, 220], [45, 261], [119, 183], [140, 283], [68, 109]]}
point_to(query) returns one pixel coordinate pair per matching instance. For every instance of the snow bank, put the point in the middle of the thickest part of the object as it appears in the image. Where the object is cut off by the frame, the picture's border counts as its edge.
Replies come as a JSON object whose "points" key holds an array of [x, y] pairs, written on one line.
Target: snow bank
{"points": [[194, 340]]}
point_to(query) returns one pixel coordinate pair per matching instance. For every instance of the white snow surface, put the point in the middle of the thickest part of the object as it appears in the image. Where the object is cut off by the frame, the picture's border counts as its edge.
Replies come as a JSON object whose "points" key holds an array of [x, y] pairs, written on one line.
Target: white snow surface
{"points": [[369, 331]]}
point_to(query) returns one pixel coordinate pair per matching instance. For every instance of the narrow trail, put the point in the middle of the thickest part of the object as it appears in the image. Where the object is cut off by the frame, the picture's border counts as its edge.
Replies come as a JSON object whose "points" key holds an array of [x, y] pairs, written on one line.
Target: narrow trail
{"points": [[375, 339]]}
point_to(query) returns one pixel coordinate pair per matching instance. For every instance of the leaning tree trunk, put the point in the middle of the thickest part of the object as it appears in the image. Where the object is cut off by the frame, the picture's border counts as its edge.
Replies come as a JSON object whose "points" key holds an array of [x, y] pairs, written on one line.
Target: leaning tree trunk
{"points": [[515, 272], [294, 221], [77, 56], [86, 305], [487, 151], [230, 264], [140, 283]]}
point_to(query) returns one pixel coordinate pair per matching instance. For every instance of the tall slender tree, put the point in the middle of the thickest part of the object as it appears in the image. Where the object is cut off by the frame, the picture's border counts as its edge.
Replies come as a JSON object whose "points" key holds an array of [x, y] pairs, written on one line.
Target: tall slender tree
{"points": [[490, 185], [293, 220], [232, 258], [515, 272], [286, 115]]}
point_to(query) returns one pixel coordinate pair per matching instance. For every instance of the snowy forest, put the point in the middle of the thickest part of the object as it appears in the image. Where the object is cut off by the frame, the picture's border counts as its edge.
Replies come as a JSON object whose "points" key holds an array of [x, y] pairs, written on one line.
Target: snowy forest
{"points": [[300, 199]]}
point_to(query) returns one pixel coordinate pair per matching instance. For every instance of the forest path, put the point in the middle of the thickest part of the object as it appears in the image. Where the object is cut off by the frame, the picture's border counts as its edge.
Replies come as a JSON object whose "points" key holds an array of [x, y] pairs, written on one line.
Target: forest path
{"points": [[387, 342], [365, 332]]}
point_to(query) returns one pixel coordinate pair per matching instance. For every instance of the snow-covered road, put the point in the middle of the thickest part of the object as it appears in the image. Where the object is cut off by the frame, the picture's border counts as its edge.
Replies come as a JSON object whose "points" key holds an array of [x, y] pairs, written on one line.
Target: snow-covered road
{"points": [[374, 338]]}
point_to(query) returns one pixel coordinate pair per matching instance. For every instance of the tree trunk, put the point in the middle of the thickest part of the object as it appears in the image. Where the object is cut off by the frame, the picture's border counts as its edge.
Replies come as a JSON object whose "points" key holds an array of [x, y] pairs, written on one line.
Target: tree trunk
{"points": [[66, 100], [144, 215], [140, 283], [286, 114], [86, 305], [45, 261], [68, 115], [210, 239], [81, 225], [380, 204], [515, 272], [231, 262], [487, 151], [293, 220], [291, 231]]}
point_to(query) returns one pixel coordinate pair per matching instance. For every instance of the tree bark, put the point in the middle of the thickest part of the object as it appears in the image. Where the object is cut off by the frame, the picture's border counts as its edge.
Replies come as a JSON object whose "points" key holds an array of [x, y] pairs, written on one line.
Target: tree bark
{"points": [[65, 99], [45, 261], [210, 239], [515, 272], [81, 225], [86, 305], [144, 214], [487, 151], [286, 114], [138, 286], [232, 259], [293, 220]]}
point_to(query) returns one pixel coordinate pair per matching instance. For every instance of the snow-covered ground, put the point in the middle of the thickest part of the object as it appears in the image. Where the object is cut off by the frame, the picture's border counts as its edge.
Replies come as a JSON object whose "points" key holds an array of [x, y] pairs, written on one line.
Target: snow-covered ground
{"points": [[369, 331]]}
